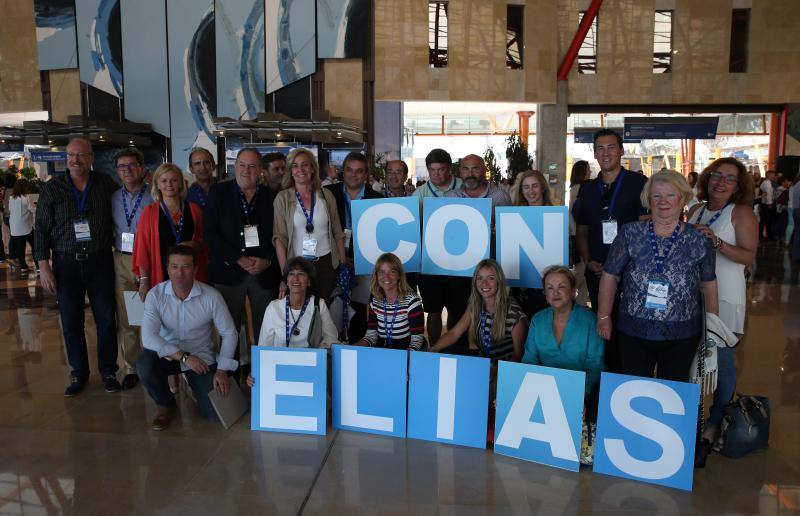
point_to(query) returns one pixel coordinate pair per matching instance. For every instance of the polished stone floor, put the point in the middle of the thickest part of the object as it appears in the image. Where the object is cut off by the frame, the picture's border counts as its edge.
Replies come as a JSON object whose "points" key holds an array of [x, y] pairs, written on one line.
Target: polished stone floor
{"points": [[95, 454]]}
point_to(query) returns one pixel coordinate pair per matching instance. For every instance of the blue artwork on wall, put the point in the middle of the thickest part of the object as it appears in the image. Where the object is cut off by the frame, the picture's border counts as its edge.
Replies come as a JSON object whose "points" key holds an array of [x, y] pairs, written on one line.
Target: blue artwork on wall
{"points": [[341, 28], [55, 34], [100, 44], [290, 41]]}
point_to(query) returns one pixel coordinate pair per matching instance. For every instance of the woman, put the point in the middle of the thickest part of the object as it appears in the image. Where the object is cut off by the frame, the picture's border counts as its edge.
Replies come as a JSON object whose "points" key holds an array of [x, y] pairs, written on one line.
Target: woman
{"points": [[306, 222], [564, 335], [489, 301], [580, 174], [394, 317], [169, 221], [8, 185], [531, 189], [727, 220], [21, 209], [664, 265], [299, 320]]}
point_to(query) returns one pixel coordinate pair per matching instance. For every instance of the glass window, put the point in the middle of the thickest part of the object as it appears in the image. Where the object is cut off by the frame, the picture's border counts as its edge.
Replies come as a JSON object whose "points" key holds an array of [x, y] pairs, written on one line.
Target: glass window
{"points": [[437, 33], [514, 44], [740, 27], [587, 55], [662, 42]]}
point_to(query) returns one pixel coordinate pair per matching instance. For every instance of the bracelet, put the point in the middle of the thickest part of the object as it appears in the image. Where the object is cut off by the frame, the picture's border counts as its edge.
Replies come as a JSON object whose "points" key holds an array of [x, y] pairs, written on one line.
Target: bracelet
{"points": [[718, 243], [143, 277], [604, 317]]}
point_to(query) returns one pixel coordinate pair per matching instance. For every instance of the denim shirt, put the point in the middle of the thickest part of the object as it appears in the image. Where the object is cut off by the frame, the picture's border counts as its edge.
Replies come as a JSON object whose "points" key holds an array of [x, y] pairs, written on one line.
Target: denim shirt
{"points": [[691, 261]]}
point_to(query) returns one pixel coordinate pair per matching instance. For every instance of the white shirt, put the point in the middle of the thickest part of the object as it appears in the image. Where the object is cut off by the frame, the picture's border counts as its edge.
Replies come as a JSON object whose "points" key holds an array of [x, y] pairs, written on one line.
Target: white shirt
{"points": [[766, 188], [273, 327], [794, 196], [320, 219], [21, 212], [170, 324]]}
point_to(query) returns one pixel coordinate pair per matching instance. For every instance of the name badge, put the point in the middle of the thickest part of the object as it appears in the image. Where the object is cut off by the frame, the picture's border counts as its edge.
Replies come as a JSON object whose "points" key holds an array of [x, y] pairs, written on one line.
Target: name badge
{"points": [[82, 233], [251, 236], [348, 236], [127, 242], [310, 248], [657, 292], [609, 231]]}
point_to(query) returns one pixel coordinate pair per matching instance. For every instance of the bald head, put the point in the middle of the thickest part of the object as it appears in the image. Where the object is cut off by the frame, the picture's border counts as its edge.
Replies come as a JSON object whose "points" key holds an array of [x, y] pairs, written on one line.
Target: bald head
{"points": [[472, 171]]}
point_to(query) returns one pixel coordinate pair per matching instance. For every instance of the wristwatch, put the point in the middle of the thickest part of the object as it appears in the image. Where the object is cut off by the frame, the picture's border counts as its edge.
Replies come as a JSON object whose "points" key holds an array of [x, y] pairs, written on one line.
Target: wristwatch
{"points": [[185, 356]]}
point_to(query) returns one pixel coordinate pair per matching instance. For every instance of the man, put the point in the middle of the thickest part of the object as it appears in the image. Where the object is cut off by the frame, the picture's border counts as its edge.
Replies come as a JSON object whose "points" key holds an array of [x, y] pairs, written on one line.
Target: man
{"points": [[274, 166], [766, 211], [435, 291], [127, 205], [354, 187], [375, 182], [332, 176], [476, 185], [604, 205], [74, 222], [202, 166], [238, 230], [396, 176], [176, 333]]}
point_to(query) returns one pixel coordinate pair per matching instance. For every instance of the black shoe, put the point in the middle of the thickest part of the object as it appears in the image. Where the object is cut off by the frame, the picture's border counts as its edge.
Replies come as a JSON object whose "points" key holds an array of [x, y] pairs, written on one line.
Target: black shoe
{"points": [[702, 452], [130, 381], [75, 387], [110, 384]]}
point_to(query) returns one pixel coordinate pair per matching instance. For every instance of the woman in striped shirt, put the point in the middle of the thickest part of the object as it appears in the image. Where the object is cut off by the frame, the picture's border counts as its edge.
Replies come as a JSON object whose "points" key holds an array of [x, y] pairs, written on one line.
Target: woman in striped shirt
{"points": [[395, 318], [490, 302]]}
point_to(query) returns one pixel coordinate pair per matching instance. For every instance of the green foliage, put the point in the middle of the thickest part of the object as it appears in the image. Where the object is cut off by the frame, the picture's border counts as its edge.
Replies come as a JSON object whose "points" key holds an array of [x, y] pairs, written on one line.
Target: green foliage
{"points": [[378, 166], [519, 159], [29, 173], [490, 159]]}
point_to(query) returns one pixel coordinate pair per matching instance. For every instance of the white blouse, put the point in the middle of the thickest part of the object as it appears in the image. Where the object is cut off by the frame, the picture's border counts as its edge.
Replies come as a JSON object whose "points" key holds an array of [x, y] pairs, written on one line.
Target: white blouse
{"points": [[273, 327], [320, 228], [21, 211]]}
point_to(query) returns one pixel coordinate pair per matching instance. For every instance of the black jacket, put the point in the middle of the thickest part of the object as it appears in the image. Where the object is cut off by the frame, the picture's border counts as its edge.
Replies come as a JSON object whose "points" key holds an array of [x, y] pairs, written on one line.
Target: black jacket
{"points": [[337, 190], [224, 222]]}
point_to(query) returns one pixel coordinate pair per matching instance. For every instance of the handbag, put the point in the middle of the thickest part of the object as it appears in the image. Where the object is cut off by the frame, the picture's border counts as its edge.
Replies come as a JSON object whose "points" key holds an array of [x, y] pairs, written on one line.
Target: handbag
{"points": [[745, 426]]}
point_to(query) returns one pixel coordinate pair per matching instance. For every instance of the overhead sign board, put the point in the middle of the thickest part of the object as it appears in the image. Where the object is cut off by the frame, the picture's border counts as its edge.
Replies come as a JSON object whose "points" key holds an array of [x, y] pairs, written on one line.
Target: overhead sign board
{"points": [[671, 128]]}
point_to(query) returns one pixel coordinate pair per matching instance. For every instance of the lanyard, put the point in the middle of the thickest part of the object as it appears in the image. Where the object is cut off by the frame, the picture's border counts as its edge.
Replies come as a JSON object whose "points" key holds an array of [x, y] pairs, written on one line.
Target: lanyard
{"points": [[659, 259], [293, 330], [201, 195], [129, 216], [713, 219], [309, 216], [248, 208], [80, 197], [389, 326], [348, 220], [437, 195], [485, 330], [176, 232], [613, 202]]}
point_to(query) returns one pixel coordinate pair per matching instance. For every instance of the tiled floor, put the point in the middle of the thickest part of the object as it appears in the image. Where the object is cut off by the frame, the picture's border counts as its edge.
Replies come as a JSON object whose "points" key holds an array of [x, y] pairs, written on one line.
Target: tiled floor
{"points": [[95, 454]]}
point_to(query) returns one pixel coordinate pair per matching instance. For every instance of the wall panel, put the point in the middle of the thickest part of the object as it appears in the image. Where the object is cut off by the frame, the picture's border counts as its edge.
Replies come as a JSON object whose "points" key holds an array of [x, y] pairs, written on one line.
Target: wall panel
{"points": [[55, 34], [100, 44], [20, 87]]}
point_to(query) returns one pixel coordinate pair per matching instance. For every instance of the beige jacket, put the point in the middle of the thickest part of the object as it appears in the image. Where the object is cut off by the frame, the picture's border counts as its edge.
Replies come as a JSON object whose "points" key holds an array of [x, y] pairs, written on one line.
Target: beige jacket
{"points": [[283, 228]]}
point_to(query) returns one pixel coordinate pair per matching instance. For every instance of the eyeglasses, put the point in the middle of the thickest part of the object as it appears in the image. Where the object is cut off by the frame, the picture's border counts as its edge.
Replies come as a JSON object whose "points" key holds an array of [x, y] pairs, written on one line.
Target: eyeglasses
{"points": [[730, 180], [128, 166], [79, 154]]}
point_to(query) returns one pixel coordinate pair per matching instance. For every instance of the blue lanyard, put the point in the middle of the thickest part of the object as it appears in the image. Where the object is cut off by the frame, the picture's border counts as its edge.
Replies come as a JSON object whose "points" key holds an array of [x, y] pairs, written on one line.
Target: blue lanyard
{"points": [[485, 330], [176, 232], [434, 193], [613, 202], [247, 208], [389, 327], [659, 259], [348, 220], [293, 330], [309, 216], [129, 216], [201, 195], [713, 219], [80, 197]]}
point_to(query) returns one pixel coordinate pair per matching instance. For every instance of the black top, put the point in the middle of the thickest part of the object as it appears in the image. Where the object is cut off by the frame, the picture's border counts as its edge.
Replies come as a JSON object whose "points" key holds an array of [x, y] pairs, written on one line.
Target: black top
{"points": [[57, 211], [166, 238], [224, 221], [337, 189], [592, 208]]}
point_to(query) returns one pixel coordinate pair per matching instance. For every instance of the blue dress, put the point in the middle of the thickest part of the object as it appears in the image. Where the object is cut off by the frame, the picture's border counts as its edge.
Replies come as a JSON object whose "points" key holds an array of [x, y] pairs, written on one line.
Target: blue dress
{"points": [[691, 261], [581, 347]]}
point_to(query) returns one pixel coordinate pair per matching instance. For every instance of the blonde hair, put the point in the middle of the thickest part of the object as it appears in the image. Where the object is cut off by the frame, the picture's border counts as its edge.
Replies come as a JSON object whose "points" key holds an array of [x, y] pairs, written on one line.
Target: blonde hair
{"points": [[519, 199], [288, 179], [475, 305], [160, 171], [672, 178], [403, 288]]}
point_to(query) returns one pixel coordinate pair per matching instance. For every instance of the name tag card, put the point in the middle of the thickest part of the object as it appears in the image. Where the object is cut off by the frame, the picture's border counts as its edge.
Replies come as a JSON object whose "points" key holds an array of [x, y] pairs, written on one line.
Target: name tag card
{"points": [[82, 232], [127, 242], [609, 231], [657, 292], [309, 248], [251, 236]]}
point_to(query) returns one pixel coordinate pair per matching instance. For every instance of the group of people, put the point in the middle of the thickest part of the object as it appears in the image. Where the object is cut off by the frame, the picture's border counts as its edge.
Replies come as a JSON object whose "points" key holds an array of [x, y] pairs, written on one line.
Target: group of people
{"points": [[277, 243], [18, 208]]}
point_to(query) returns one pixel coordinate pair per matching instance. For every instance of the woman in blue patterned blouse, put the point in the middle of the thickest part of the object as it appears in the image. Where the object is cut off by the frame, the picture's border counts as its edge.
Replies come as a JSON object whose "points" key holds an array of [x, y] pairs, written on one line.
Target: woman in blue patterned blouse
{"points": [[664, 265]]}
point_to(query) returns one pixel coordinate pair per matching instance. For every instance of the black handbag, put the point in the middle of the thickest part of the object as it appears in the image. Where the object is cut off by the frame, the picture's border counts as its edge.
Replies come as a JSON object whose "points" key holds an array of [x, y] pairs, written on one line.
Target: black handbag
{"points": [[745, 427]]}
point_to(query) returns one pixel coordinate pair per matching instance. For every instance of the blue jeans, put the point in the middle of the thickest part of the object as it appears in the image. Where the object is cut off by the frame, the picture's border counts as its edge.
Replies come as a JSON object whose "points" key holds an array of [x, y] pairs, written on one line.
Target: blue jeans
{"points": [[153, 372], [75, 279], [726, 385]]}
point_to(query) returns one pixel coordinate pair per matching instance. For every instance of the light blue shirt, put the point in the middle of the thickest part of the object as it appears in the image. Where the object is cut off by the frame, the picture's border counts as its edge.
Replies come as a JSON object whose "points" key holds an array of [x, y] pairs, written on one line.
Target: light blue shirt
{"points": [[118, 211], [431, 190], [170, 324]]}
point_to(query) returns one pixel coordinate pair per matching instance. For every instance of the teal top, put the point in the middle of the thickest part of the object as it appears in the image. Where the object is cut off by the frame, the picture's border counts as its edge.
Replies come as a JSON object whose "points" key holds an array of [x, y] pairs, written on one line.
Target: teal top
{"points": [[581, 347]]}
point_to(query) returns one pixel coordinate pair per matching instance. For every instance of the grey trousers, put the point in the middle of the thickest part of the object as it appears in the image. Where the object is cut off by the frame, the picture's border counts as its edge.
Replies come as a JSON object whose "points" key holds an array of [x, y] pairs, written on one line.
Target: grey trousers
{"points": [[234, 296]]}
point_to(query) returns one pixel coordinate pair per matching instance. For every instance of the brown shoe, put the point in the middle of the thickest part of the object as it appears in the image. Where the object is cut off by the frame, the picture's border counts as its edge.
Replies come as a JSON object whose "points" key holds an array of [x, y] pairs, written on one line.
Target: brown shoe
{"points": [[162, 419]]}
